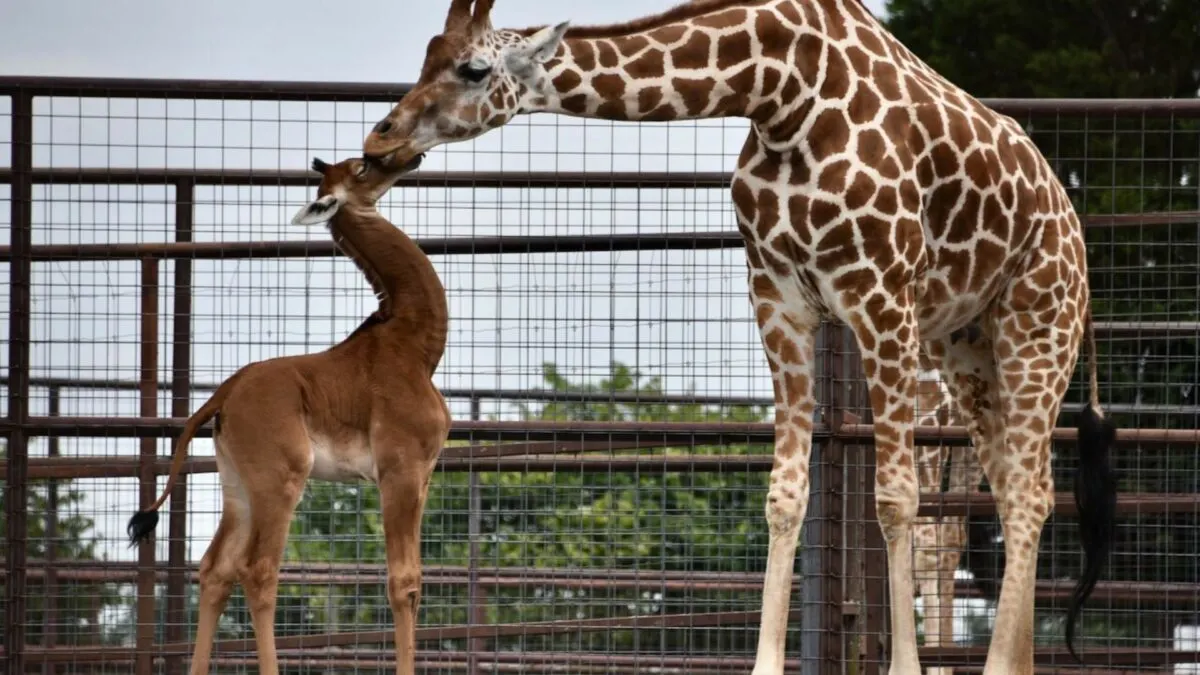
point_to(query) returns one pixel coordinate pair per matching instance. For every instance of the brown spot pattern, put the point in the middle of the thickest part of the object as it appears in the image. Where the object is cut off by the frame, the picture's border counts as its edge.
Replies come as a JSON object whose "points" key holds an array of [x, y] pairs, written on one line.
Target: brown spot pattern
{"points": [[649, 64], [830, 134], [732, 49]]}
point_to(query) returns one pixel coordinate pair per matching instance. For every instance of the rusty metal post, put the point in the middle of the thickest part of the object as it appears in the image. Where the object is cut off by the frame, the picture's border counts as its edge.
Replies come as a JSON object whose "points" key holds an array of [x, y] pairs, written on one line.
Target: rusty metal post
{"points": [[864, 560], [20, 271], [181, 367], [50, 588], [144, 659], [821, 622], [476, 612], [832, 496]]}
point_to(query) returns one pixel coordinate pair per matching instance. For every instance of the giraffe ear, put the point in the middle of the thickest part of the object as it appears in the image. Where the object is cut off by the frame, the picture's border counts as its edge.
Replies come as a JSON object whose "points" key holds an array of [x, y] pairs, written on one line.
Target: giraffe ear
{"points": [[542, 45], [318, 211]]}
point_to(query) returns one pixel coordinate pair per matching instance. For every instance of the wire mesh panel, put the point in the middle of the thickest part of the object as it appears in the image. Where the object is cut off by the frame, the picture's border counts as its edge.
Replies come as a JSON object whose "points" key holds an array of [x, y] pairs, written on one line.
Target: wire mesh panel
{"points": [[614, 550], [1132, 176], [599, 507]]}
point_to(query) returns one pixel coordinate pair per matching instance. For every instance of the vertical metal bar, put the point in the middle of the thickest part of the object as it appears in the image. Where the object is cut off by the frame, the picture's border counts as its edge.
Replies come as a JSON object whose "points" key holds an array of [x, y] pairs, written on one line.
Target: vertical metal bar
{"points": [[833, 543], [20, 271], [853, 557], [475, 609], [181, 368], [846, 373], [50, 592], [148, 388], [812, 583], [866, 562]]}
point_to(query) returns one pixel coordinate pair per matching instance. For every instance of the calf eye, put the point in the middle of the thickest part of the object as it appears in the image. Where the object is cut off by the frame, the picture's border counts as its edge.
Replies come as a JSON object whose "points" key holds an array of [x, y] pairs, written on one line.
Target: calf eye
{"points": [[472, 73]]}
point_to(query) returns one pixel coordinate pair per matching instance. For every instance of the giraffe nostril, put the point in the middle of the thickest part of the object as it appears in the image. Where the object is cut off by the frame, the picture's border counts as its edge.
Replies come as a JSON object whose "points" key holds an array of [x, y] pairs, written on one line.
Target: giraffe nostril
{"points": [[384, 126]]}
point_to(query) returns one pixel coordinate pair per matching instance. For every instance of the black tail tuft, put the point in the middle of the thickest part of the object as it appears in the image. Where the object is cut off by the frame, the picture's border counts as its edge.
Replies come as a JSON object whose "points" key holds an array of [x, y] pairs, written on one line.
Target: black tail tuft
{"points": [[983, 557], [1096, 499], [141, 526]]}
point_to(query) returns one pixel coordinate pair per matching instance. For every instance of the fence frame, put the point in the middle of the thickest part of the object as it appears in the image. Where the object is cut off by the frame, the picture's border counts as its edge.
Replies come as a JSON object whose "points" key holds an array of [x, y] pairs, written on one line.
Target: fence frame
{"points": [[838, 435]]}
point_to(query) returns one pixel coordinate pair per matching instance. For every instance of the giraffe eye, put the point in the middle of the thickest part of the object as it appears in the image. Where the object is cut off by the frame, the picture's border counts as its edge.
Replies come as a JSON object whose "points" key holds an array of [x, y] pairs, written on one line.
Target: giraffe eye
{"points": [[472, 73]]}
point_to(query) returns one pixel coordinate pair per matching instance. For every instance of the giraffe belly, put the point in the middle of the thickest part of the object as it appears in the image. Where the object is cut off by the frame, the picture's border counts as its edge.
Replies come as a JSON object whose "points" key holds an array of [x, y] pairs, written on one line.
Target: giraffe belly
{"points": [[342, 458], [944, 303], [938, 321]]}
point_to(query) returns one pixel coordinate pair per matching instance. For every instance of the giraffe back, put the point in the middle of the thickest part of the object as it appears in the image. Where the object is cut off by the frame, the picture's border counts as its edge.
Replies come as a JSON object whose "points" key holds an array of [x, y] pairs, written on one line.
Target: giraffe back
{"points": [[870, 172]]}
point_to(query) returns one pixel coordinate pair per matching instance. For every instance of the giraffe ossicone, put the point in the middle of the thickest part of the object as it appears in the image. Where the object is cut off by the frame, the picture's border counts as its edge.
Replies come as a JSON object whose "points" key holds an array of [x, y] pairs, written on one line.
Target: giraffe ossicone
{"points": [[871, 192]]}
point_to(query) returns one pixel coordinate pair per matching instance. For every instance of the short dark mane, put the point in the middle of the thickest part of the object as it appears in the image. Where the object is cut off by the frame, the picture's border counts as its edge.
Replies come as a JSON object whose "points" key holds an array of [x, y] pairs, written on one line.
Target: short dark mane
{"points": [[683, 12], [374, 319]]}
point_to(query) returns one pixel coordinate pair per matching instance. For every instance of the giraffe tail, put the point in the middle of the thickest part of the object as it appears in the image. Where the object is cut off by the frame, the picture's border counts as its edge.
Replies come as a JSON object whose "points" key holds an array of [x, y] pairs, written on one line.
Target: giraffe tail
{"points": [[142, 523], [1095, 491]]}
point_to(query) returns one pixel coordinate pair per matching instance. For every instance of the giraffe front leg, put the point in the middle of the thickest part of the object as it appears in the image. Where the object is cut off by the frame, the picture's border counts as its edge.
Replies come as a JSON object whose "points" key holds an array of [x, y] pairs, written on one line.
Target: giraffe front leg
{"points": [[886, 332], [790, 346], [927, 573], [934, 408]]}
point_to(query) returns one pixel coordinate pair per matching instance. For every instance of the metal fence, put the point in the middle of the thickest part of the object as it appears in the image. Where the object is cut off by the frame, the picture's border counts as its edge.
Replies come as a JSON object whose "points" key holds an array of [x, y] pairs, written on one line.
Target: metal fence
{"points": [[599, 507]]}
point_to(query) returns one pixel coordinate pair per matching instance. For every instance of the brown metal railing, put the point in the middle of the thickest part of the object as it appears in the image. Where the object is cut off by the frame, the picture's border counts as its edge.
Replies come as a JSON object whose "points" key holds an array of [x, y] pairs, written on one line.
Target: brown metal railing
{"points": [[844, 442]]}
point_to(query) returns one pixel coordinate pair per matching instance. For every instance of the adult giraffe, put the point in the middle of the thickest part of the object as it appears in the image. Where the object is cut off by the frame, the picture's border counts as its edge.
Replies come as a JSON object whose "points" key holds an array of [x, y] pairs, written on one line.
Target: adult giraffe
{"points": [[870, 191]]}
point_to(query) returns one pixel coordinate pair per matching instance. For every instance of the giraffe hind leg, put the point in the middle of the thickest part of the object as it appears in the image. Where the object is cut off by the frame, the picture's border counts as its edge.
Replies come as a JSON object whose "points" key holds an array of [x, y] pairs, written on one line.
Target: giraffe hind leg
{"points": [[982, 374], [935, 552]]}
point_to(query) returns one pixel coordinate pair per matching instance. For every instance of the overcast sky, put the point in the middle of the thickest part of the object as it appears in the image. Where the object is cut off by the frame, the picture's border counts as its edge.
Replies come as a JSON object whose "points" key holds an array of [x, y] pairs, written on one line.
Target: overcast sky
{"points": [[314, 40]]}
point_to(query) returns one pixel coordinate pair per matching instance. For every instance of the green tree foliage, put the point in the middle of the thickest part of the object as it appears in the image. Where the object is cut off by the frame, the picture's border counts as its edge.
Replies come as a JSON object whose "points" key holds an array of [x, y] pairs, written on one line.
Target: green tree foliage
{"points": [[78, 604], [1067, 48], [1110, 165]]}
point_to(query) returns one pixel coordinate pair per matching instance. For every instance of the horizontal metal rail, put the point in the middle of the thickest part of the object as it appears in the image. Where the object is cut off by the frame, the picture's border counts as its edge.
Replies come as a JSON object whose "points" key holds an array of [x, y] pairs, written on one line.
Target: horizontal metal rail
{"points": [[348, 643], [441, 660], [216, 176], [668, 432], [478, 430], [389, 92], [931, 504], [653, 398], [354, 639], [1141, 657], [104, 87], [1138, 593], [323, 248]]}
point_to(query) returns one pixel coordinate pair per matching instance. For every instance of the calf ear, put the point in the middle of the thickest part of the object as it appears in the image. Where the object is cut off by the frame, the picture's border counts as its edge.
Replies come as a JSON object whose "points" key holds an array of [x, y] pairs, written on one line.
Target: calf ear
{"points": [[318, 211]]}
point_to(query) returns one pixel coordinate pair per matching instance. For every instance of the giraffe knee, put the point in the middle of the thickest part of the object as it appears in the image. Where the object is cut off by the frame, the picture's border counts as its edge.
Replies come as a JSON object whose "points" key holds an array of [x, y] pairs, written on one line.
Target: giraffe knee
{"points": [[404, 590], [259, 580], [216, 580], [896, 509], [786, 506], [954, 534], [1024, 512]]}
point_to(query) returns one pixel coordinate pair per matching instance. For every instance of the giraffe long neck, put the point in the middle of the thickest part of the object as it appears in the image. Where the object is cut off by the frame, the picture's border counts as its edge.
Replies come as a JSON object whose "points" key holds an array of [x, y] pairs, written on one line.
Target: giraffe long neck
{"points": [[764, 60], [411, 294]]}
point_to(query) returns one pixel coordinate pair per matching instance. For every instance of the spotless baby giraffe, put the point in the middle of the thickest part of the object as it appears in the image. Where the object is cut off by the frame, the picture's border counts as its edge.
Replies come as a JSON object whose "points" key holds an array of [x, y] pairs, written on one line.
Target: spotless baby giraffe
{"points": [[871, 192], [364, 409]]}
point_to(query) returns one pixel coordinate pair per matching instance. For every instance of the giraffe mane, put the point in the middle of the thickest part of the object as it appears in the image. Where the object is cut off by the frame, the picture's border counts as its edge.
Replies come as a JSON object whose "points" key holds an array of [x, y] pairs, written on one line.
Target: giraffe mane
{"points": [[682, 12]]}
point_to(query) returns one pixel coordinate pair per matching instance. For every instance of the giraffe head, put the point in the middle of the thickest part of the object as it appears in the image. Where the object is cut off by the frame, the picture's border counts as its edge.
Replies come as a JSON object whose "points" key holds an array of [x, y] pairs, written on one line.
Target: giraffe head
{"points": [[474, 79], [355, 181]]}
